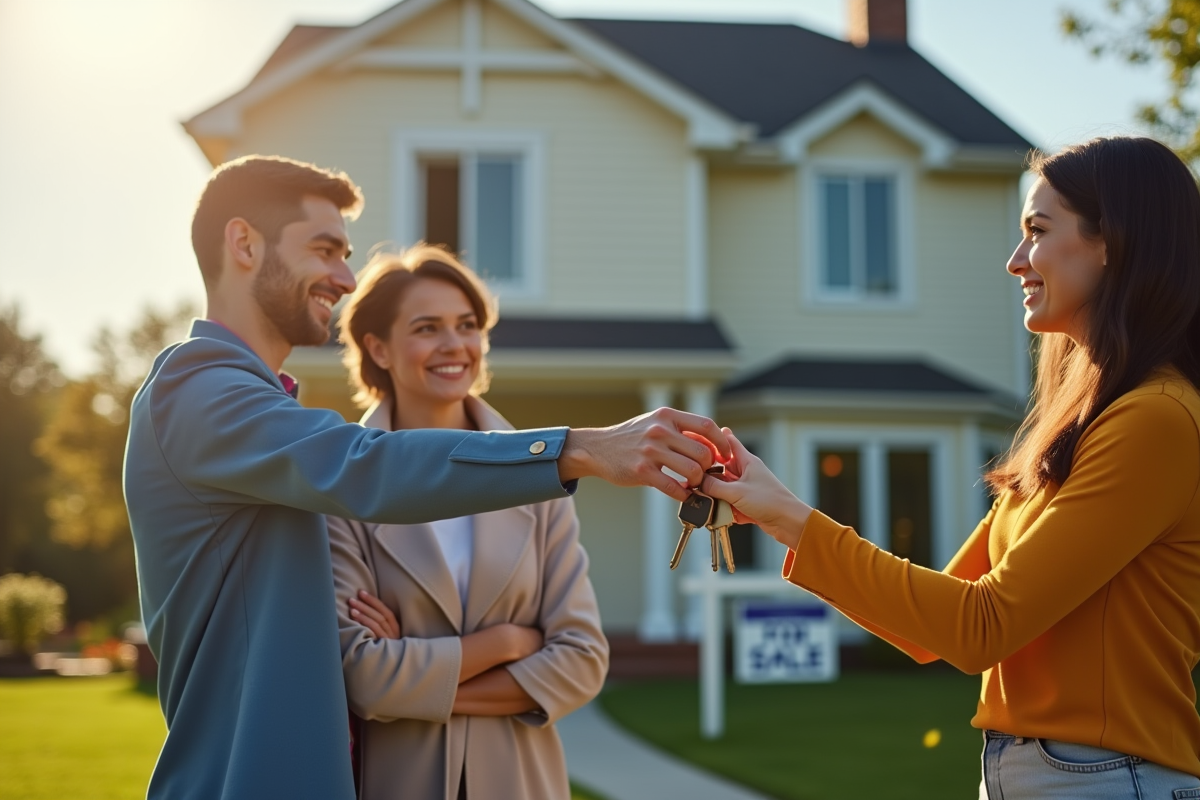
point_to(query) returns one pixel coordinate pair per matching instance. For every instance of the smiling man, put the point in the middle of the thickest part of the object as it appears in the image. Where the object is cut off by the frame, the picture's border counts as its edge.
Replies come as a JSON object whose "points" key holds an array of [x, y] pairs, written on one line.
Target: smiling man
{"points": [[227, 476]]}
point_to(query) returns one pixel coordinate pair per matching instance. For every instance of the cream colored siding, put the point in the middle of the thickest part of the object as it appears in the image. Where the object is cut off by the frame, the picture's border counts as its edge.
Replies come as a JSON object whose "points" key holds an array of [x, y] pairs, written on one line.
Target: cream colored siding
{"points": [[439, 27], [964, 310], [502, 31], [615, 215]]}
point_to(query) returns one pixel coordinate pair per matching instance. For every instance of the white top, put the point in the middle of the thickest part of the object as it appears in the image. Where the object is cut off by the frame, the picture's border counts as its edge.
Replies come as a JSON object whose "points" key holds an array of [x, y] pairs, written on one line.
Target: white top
{"points": [[456, 538]]}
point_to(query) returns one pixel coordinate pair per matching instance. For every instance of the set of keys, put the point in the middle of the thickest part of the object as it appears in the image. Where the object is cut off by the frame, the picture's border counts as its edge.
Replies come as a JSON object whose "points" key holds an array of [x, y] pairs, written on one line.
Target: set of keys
{"points": [[701, 511]]}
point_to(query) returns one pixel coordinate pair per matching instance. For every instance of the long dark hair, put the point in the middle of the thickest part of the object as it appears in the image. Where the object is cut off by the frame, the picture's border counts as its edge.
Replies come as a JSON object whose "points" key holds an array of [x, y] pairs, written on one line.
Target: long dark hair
{"points": [[1143, 201]]}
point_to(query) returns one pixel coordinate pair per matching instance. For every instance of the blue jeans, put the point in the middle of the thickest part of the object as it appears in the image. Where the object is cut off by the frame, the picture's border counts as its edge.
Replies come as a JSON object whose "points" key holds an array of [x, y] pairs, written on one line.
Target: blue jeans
{"points": [[1017, 768]]}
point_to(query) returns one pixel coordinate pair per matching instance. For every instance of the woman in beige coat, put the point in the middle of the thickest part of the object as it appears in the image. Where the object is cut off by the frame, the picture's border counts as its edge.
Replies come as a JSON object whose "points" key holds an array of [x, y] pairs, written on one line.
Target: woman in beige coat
{"points": [[463, 641]]}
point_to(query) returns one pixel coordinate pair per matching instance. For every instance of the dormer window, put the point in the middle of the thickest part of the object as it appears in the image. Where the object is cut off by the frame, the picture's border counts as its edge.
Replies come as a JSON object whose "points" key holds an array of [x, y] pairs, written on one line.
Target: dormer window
{"points": [[857, 233], [479, 193]]}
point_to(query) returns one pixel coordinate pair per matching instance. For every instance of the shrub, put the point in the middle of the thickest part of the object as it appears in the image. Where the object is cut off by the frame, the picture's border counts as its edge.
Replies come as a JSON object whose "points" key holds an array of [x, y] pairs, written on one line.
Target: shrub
{"points": [[30, 608]]}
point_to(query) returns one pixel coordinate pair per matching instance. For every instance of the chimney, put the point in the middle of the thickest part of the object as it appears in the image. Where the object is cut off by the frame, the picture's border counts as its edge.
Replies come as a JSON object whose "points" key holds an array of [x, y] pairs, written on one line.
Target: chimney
{"points": [[878, 22]]}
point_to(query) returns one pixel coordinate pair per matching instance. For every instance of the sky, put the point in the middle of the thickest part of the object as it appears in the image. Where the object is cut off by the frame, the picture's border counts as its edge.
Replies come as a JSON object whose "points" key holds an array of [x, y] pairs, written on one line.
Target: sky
{"points": [[98, 179]]}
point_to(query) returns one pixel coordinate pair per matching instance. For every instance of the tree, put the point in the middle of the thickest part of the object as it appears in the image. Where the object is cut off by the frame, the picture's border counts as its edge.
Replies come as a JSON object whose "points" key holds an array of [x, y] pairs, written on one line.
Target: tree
{"points": [[84, 446], [29, 382], [1146, 32]]}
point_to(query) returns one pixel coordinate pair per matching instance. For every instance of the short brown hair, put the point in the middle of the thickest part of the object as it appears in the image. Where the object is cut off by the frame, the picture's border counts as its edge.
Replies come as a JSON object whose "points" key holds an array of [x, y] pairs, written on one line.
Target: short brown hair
{"points": [[267, 192], [372, 309]]}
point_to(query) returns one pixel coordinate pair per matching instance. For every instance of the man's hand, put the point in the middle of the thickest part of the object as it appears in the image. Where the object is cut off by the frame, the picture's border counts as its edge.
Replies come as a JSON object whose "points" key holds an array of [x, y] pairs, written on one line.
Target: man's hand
{"points": [[634, 453]]}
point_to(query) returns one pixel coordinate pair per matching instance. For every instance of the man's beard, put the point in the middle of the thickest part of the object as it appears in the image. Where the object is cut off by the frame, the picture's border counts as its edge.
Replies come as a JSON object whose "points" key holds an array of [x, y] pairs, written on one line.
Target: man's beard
{"points": [[284, 301]]}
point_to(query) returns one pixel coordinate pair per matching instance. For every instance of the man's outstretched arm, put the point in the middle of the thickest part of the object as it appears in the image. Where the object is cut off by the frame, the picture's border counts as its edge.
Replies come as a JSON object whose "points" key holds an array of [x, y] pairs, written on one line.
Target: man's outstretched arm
{"points": [[634, 452], [229, 436]]}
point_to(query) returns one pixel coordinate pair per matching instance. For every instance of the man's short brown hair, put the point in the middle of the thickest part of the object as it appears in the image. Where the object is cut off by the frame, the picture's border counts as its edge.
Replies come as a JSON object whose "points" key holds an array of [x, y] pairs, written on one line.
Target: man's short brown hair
{"points": [[267, 192]]}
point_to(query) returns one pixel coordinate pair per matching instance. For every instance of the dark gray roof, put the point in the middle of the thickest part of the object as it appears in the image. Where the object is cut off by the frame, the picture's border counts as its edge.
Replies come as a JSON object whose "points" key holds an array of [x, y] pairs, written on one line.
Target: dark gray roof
{"points": [[572, 333], [880, 375], [771, 75]]}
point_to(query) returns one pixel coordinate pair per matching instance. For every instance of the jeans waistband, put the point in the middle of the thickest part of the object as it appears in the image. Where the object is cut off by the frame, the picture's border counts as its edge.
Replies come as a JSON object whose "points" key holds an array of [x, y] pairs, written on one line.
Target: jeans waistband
{"points": [[990, 734]]}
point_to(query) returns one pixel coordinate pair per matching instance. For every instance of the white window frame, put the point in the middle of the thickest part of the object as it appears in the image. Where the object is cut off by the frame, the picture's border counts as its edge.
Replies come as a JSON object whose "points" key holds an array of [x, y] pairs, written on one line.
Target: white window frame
{"points": [[816, 294], [873, 444], [411, 145]]}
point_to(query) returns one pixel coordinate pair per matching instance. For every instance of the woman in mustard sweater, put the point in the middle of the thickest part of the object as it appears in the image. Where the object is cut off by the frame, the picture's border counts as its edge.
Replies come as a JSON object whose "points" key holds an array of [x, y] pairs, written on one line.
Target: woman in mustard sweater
{"points": [[1078, 595]]}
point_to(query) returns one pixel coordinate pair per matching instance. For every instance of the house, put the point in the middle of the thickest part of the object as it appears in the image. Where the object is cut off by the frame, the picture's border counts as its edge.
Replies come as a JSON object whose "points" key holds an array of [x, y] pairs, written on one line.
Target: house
{"points": [[802, 236]]}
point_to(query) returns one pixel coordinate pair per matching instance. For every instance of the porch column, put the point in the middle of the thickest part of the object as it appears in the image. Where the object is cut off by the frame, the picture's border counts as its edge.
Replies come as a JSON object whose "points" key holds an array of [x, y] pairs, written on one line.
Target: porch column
{"points": [[701, 398], [658, 517], [974, 494]]}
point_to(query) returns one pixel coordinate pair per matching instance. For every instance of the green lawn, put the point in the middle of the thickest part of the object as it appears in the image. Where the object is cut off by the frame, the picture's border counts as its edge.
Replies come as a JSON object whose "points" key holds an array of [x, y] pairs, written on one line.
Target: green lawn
{"points": [[859, 737], [77, 737], [94, 738]]}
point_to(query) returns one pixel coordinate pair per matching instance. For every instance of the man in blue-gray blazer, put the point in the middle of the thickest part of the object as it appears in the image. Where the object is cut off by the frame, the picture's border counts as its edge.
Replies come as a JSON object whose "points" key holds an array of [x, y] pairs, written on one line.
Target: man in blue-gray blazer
{"points": [[227, 478]]}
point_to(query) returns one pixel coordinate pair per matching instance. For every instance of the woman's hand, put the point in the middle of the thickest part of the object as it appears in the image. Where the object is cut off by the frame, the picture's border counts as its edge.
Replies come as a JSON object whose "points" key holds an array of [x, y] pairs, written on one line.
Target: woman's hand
{"points": [[757, 496], [370, 612], [500, 644]]}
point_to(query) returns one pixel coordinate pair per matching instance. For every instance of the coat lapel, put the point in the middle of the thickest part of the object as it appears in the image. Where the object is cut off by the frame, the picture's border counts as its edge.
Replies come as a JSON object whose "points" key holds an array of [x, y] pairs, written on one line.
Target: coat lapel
{"points": [[501, 539], [415, 550], [499, 542]]}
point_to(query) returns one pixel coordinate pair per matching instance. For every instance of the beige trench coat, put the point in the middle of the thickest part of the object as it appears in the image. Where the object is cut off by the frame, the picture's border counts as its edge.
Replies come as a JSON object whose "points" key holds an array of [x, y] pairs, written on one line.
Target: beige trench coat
{"points": [[528, 568]]}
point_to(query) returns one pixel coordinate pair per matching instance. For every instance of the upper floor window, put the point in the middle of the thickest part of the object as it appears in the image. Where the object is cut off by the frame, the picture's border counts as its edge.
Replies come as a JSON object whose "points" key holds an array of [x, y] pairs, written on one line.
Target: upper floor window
{"points": [[479, 194], [858, 236], [472, 203], [858, 253]]}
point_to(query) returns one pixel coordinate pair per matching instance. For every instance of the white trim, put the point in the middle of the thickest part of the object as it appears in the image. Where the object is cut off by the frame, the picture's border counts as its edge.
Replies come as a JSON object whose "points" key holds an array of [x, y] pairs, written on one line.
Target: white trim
{"points": [[472, 70], [872, 442], [814, 294], [410, 143], [658, 622], [434, 59], [708, 126], [1022, 342], [696, 182], [937, 148]]}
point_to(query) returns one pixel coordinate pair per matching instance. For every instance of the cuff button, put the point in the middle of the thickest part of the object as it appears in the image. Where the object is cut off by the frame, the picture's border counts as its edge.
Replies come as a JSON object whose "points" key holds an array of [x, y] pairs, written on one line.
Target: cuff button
{"points": [[537, 448]]}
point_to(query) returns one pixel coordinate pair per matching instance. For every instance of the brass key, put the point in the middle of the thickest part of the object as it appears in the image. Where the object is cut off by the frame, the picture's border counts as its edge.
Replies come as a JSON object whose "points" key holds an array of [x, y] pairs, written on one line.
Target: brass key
{"points": [[722, 518], [694, 512]]}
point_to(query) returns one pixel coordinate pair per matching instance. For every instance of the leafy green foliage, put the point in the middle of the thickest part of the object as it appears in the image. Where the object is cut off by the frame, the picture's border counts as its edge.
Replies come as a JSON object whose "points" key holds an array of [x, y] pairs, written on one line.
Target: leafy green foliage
{"points": [[1146, 32], [30, 608], [28, 385], [84, 446]]}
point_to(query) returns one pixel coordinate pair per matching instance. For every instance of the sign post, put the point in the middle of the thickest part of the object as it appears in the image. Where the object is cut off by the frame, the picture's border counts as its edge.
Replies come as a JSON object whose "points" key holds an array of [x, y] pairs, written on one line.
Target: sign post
{"points": [[713, 589]]}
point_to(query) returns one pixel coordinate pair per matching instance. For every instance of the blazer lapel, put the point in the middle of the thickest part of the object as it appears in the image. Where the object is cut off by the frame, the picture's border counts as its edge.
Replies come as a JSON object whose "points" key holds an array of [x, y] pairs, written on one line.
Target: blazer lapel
{"points": [[501, 539], [416, 550]]}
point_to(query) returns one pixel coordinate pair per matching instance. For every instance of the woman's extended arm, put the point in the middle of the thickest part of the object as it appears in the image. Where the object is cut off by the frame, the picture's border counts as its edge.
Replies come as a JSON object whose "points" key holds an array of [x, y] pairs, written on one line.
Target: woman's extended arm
{"points": [[1136, 471]]}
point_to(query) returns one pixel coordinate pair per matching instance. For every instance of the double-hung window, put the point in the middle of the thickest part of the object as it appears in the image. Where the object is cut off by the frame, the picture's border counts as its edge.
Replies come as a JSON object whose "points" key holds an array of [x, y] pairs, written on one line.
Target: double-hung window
{"points": [[480, 197], [857, 236], [471, 202]]}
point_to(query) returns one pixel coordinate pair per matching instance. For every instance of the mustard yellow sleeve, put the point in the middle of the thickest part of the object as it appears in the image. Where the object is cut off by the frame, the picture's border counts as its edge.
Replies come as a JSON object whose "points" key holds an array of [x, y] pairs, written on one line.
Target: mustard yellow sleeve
{"points": [[970, 563], [1136, 471]]}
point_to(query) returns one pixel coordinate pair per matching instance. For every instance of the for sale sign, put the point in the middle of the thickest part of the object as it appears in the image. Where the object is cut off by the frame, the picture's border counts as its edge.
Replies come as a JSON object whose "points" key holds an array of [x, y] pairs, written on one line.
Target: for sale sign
{"points": [[777, 642]]}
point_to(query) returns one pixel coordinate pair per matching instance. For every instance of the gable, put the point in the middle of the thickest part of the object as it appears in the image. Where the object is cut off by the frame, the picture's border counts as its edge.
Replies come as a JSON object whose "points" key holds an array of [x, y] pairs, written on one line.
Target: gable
{"points": [[395, 40]]}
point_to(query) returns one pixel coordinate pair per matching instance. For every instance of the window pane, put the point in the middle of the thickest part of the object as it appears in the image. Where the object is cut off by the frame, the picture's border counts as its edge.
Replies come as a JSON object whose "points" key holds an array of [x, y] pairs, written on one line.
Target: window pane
{"points": [[835, 208], [837, 486], [441, 202], [880, 260], [909, 524], [497, 217]]}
